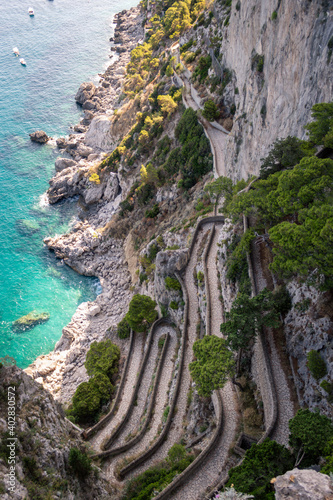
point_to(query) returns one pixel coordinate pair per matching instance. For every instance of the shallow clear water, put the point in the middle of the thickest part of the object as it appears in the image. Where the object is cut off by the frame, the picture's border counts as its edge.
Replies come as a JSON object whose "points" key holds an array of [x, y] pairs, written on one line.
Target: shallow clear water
{"points": [[64, 44]]}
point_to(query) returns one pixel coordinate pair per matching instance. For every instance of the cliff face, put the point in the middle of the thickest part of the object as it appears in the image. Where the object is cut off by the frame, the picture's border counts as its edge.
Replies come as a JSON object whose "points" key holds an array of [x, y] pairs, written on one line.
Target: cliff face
{"points": [[38, 446], [297, 73]]}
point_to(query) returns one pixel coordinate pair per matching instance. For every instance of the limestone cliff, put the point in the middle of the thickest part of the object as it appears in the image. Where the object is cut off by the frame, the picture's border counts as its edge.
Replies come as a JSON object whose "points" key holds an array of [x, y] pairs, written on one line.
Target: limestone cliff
{"points": [[297, 73], [37, 449]]}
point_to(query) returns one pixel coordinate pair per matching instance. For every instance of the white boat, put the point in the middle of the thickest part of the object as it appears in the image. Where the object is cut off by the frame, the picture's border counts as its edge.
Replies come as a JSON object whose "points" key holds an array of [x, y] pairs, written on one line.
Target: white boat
{"points": [[31, 11], [16, 51], [22, 61]]}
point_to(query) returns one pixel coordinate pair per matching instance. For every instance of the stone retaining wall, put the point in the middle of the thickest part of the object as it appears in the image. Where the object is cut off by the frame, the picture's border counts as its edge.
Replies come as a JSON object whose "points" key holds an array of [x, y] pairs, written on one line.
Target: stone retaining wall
{"points": [[87, 434], [127, 415], [218, 404], [136, 439], [145, 456]]}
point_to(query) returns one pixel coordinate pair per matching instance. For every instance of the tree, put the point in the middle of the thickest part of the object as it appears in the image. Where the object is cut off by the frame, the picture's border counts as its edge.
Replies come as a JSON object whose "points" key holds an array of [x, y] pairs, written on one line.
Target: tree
{"points": [[220, 186], [89, 397], [307, 246], [285, 154], [177, 18], [316, 365], [309, 434], [321, 129], [210, 111], [261, 463], [214, 364], [328, 453], [168, 105], [247, 315], [141, 313], [123, 329], [102, 357], [79, 462]]}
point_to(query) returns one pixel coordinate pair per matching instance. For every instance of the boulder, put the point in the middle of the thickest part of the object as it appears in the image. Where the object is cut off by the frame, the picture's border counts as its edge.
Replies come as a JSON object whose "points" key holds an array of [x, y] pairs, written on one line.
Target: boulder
{"points": [[85, 92], [61, 143], [303, 485], [84, 151], [98, 135], [88, 104], [112, 188], [93, 194], [94, 310], [39, 136], [62, 163], [29, 321]]}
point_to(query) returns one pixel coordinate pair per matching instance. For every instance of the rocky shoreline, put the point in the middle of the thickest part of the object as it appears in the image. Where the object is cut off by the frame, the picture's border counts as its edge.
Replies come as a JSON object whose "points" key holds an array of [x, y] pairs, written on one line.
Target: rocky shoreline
{"points": [[85, 249]]}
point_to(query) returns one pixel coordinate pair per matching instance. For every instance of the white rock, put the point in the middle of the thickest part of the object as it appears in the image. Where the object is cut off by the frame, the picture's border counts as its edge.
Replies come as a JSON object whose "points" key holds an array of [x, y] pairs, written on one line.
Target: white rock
{"points": [[93, 311], [98, 135], [303, 485]]}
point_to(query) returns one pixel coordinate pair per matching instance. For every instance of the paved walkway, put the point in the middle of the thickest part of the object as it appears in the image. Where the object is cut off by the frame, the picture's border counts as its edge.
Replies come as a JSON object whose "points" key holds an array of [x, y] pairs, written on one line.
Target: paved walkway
{"points": [[161, 401], [216, 137], [210, 472], [176, 429], [286, 409], [133, 369]]}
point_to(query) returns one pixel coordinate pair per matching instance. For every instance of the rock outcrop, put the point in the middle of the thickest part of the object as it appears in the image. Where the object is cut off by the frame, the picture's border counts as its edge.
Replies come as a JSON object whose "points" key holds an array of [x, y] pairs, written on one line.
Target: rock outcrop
{"points": [[98, 135], [62, 163], [309, 326], [275, 102], [39, 136], [29, 321], [43, 439], [85, 92], [303, 485]]}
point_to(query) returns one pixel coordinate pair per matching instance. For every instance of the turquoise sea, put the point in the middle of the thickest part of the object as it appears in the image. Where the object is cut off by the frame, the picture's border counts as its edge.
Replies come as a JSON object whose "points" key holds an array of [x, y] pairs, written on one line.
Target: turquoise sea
{"points": [[64, 44]]}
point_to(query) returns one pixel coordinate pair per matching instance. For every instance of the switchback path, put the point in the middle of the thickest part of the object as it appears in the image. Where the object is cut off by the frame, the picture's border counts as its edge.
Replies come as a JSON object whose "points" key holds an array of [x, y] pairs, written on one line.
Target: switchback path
{"points": [[212, 468]]}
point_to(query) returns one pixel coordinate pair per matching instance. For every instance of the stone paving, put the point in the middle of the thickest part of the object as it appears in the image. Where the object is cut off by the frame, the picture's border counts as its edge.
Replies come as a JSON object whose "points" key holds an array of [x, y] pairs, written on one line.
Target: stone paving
{"points": [[133, 369], [212, 469], [159, 406], [286, 408], [176, 428], [216, 137]]}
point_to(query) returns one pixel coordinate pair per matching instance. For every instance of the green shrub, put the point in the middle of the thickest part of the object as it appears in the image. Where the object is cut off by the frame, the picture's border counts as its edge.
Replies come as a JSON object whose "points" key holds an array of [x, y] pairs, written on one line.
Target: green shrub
{"points": [[194, 158], [309, 434], [89, 398], [145, 485], [174, 305], [80, 463], [102, 357], [202, 68], [153, 212], [316, 364], [141, 313], [210, 111], [274, 15], [143, 277], [123, 329], [261, 463], [200, 278], [328, 462], [172, 284], [186, 46]]}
